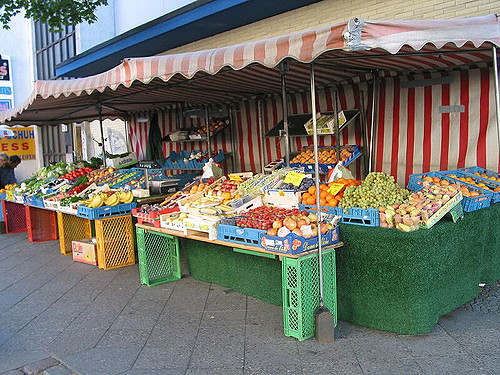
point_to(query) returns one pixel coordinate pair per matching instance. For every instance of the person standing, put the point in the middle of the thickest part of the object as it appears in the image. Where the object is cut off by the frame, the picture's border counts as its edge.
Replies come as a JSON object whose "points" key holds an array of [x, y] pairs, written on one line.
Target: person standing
{"points": [[4, 158], [7, 173]]}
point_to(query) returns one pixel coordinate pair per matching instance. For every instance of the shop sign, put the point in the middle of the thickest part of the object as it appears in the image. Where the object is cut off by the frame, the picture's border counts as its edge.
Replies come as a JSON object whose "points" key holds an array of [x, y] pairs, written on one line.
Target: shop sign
{"points": [[21, 143], [6, 89]]}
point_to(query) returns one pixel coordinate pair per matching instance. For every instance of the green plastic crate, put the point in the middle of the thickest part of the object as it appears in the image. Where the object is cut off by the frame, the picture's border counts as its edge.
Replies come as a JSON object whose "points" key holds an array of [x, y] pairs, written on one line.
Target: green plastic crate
{"points": [[158, 257], [300, 278]]}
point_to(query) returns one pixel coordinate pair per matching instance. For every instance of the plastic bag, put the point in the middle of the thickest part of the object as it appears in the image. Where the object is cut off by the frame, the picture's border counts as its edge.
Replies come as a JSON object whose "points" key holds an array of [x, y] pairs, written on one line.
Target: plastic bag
{"points": [[338, 172], [211, 169]]}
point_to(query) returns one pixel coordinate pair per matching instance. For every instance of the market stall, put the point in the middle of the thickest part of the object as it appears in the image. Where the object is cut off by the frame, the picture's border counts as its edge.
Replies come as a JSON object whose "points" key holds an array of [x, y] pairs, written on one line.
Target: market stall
{"points": [[413, 60]]}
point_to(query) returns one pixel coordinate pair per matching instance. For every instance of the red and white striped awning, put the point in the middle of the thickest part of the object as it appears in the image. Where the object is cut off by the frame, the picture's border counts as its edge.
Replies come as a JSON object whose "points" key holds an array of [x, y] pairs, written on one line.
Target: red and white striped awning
{"points": [[346, 52]]}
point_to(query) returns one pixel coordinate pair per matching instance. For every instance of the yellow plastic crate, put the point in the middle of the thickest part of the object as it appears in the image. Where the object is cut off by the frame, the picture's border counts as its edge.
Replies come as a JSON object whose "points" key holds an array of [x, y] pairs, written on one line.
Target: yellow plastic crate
{"points": [[115, 242], [72, 228]]}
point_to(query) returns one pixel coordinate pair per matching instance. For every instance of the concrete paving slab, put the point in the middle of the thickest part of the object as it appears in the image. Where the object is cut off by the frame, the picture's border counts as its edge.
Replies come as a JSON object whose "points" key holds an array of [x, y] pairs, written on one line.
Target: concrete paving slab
{"points": [[451, 365], [432, 345], [215, 371], [484, 341], [344, 366], [173, 356], [102, 360], [121, 338], [391, 366], [11, 360]]}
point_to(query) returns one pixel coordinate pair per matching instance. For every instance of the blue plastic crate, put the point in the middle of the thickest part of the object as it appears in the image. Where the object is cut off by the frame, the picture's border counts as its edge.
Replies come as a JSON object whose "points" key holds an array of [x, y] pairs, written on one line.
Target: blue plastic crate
{"points": [[472, 170], [416, 180], [312, 207], [105, 211], [247, 236], [294, 244], [490, 183], [356, 216], [495, 197], [469, 204]]}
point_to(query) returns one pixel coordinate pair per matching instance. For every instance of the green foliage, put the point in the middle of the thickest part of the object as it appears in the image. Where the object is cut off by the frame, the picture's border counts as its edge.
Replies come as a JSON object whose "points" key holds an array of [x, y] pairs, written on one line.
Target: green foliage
{"points": [[55, 13]]}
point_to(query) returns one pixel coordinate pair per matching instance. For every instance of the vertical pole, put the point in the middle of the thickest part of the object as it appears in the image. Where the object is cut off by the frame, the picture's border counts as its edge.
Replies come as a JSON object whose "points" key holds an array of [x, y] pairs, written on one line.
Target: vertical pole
{"points": [[207, 120], [316, 179], [364, 134], [497, 90], [232, 125], [99, 111], [372, 126], [336, 118], [261, 133], [284, 102]]}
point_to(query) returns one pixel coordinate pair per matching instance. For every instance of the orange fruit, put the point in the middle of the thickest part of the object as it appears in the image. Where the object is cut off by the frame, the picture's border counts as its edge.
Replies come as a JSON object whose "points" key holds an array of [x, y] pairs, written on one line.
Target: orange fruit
{"points": [[323, 187], [338, 197], [305, 196], [334, 202], [323, 194], [311, 200], [322, 202], [312, 190], [329, 197]]}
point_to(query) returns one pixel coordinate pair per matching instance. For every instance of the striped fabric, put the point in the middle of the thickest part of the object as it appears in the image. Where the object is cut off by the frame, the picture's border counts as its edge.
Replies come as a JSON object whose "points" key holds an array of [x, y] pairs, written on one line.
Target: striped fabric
{"points": [[412, 136], [251, 68]]}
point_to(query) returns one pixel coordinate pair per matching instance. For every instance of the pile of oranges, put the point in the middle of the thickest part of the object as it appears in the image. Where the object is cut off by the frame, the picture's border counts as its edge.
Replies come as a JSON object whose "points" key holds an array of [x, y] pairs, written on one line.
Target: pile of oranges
{"points": [[477, 183], [327, 199], [325, 156]]}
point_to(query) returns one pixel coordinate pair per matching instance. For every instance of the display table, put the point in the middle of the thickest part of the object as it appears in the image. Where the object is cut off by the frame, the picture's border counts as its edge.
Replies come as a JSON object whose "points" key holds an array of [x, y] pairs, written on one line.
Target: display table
{"points": [[282, 279], [403, 282], [386, 279]]}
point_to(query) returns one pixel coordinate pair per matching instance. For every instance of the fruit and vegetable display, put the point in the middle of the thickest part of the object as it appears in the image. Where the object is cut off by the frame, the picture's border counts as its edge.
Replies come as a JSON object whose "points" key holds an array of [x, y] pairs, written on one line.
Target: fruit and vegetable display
{"points": [[418, 208], [76, 173], [199, 186], [326, 155], [109, 198], [327, 198], [215, 125], [378, 189], [226, 189], [305, 184]]}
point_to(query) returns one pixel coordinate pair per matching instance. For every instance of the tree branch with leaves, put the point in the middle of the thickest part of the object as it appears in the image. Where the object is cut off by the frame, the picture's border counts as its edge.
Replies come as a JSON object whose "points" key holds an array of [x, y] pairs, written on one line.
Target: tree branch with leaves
{"points": [[55, 13]]}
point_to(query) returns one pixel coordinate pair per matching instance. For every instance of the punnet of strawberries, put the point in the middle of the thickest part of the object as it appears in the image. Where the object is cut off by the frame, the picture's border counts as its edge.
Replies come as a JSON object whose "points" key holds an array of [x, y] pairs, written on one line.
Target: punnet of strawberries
{"points": [[264, 217]]}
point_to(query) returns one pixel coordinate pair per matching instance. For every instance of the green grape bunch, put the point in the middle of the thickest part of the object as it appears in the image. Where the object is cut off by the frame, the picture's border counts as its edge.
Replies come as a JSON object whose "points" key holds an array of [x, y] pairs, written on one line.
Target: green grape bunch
{"points": [[377, 190]]}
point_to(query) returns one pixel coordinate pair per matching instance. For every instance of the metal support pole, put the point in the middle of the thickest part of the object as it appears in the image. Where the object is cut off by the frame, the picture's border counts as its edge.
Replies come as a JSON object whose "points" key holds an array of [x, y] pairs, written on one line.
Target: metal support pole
{"points": [[364, 134], [316, 179], [336, 118], [284, 102], [372, 126], [99, 112], [232, 124], [260, 105], [207, 120], [497, 91]]}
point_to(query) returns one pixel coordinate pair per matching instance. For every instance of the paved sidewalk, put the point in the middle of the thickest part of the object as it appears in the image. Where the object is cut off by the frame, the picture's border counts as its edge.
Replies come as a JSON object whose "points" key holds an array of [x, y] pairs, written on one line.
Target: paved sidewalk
{"points": [[82, 320]]}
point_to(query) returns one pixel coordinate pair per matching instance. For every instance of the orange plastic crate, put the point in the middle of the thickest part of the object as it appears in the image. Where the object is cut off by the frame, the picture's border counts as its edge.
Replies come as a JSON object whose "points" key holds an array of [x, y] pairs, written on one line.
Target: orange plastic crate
{"points": [[115, 242], [41, 224], [14, 216], [72, 228]]}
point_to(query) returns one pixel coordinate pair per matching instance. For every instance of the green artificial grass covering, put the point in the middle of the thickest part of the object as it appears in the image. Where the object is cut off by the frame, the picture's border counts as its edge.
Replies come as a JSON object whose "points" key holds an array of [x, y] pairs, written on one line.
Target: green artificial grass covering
{"points": [[252, 275], [386, 279], [403, 282]]}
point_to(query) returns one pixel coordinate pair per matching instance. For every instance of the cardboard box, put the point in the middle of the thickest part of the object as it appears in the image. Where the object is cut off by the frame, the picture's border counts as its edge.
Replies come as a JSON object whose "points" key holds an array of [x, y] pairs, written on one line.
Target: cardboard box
{"points": [[85, 251]]}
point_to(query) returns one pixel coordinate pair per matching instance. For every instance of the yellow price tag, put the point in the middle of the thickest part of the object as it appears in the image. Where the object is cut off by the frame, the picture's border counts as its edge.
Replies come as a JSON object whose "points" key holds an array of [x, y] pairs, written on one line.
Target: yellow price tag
{"points": [[335, 188], [294, 178], [235, 177]]}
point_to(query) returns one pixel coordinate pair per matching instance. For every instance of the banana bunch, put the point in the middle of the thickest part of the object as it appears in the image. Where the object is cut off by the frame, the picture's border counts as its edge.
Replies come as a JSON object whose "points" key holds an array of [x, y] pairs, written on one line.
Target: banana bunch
{"points": [[125, 196], [95, 201], [102, 199]]}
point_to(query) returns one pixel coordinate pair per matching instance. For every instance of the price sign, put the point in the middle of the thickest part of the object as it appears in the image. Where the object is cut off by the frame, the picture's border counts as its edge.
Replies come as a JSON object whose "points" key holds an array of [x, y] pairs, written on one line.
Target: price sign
{"points": [[235, 177], [335, 188], [294, 178]]}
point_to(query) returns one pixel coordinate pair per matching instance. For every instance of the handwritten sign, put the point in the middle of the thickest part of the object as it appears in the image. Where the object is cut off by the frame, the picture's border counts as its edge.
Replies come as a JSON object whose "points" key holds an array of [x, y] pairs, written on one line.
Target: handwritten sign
{"points": [[235, 177], [294, 178], [336, 188]]}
